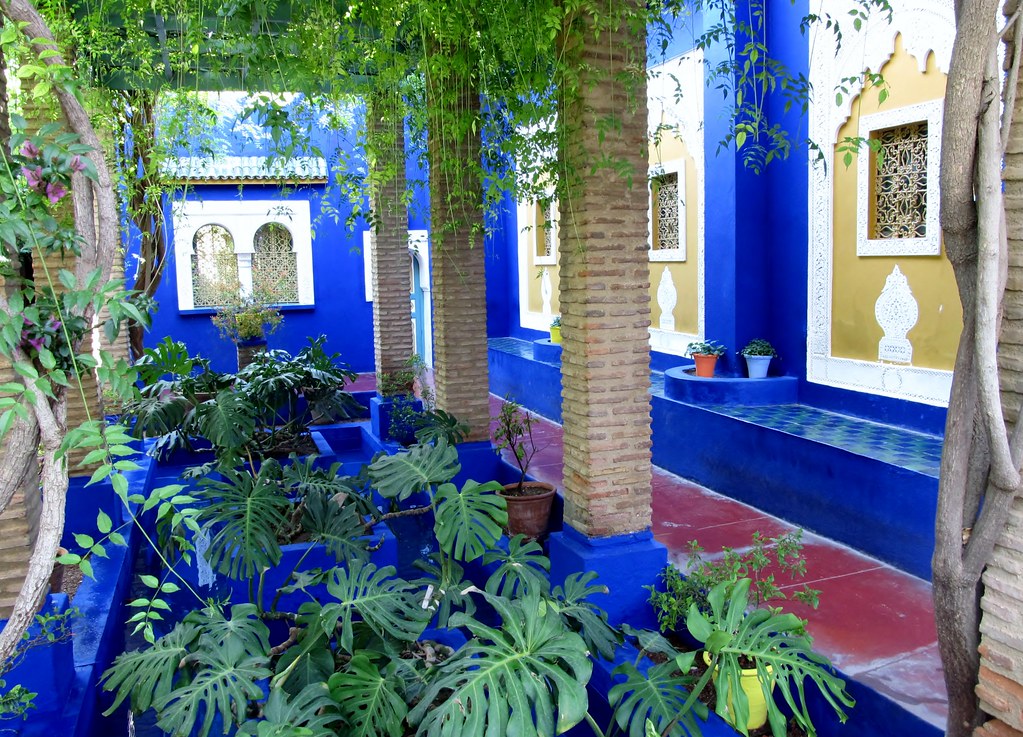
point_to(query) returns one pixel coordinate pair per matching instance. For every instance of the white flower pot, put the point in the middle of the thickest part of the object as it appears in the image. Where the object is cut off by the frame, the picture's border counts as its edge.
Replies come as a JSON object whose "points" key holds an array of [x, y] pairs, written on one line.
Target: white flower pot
{"points": [[757, 366]]}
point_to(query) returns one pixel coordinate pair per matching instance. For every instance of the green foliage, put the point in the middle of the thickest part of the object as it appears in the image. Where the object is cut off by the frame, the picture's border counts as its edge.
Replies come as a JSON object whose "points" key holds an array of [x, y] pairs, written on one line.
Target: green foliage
{"points": [[764, 557], [514, 431], [781, 649], [369, 699], [436, 425], [759, 347], [512, 680], [247, 318], [705, 348], [310, 713], [418, 469], [266, 406], [385, 604], [469, 522]]}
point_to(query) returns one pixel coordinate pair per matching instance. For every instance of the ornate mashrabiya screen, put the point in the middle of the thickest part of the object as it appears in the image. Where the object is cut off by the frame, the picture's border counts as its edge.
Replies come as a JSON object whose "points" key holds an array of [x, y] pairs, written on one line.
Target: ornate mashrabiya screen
{"points": [[666, 211], [214, 267], [900, 182], [274, 267]]}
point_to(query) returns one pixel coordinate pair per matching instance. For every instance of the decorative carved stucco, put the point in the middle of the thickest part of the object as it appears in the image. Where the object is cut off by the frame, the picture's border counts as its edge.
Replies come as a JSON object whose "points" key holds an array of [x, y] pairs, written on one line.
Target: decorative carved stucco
{"points": [[896, 312], [667, 298], [927, 27]]}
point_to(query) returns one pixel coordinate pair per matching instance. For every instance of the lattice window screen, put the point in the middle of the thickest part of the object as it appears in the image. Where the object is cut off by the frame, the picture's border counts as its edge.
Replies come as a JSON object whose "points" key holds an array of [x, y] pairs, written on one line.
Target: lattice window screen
{"points": [[546, 229], [274, 266], [214, 267], [666, 212], [900, 182]]}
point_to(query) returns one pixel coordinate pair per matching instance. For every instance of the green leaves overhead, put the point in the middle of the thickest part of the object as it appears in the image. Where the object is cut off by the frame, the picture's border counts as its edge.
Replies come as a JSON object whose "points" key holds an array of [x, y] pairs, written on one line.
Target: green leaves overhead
{"points": [[526, 678], [417, 469]]}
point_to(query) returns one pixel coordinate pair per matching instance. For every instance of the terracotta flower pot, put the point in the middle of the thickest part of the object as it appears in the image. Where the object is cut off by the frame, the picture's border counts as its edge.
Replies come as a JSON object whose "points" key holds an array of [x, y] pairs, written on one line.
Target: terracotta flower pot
{"points": [[530, 510], [247, 349], [705, 364]]}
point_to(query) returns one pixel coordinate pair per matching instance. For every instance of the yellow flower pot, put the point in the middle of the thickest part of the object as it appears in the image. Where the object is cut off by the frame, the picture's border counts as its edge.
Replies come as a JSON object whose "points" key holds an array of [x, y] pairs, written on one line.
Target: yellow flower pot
{"points": [[556, 335], [750, 685]]}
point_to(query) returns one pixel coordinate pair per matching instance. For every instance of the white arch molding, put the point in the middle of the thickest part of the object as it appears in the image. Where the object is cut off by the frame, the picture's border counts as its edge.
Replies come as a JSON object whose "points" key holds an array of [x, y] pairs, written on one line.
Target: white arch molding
{"points": [[927, 27]]}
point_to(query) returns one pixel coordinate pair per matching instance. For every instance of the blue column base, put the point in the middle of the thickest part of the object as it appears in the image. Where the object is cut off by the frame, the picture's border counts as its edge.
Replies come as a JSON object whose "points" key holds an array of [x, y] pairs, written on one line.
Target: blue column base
{"points": [[626, 564]]}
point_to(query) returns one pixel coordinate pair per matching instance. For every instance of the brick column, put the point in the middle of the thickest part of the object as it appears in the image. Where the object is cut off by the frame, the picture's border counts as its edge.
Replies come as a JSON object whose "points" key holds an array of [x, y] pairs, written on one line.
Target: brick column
{"points": [[392, 315], [458, 266], [604, 293]]}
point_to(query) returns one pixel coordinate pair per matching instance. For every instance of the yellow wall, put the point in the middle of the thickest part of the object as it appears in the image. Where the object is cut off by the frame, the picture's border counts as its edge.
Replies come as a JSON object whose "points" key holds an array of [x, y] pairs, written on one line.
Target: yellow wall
{"points": [[535, 300], [684, 274], [858, 280]]}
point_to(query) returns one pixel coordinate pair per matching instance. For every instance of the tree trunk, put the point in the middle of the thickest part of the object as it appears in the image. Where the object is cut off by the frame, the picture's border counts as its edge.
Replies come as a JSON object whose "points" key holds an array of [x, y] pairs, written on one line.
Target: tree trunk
{"points": [[97, 223], [979, 468]]}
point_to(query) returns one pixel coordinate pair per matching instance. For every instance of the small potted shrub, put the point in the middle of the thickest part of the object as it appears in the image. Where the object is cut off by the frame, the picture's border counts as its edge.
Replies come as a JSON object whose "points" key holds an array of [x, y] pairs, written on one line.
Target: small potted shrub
{"points": [[705, 354], [246, 323], [556, 330], [758, 354], [529, 502]]}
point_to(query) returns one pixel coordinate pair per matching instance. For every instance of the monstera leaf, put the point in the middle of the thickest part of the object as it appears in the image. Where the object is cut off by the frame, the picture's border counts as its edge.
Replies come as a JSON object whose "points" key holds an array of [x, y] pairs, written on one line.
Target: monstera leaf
{"points": [[339, 527], [585, 617], [449, 591], [369, 699], [526, 678], [149, 675], [660, 695], [522, 569], [227, 420], [309, 713], [469, 522], [241, 635], [247, 511], [387, 604], [222, 685], [417, 469]]}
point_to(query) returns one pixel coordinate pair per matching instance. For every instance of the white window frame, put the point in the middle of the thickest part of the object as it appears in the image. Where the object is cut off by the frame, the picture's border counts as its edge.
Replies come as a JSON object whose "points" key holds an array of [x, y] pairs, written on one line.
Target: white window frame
{"points": [[242, 219], [929, 112], [660, 255]]}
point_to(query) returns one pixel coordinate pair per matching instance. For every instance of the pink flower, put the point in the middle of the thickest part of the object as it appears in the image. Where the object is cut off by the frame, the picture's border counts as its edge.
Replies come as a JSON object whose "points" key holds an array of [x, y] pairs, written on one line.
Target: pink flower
{"points": [[30, 151], [77, 164], [36, 342], [54, 191], [34, 177]]}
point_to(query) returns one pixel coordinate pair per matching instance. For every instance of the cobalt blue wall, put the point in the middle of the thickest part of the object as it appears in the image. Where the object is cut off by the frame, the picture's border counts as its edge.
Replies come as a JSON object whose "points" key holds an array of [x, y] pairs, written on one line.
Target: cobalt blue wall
{"points": [[341, 311]]}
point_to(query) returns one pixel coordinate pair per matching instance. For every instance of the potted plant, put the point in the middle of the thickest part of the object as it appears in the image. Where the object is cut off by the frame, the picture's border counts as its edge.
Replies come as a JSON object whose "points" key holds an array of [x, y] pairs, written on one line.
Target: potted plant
{"points": [[758, 354], [705, 354], [529, 502], [246, 323], [556, 330]]}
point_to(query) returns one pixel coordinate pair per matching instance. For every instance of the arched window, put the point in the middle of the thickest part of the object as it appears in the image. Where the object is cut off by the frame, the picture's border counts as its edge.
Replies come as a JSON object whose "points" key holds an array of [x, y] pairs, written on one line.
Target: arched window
{"points": [[214, 267], [274, 265]]}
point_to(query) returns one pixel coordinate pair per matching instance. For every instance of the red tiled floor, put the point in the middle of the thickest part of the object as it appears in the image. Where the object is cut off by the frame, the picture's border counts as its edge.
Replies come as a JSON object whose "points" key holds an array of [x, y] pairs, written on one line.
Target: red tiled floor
{"points": [[364, 383]]}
